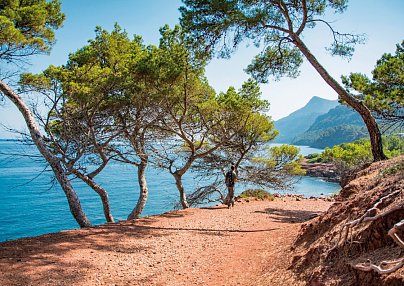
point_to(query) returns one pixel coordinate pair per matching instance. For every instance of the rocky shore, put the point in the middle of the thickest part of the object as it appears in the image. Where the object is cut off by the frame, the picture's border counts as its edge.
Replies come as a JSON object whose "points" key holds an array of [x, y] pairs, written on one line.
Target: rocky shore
{"points": [[325, 171]]}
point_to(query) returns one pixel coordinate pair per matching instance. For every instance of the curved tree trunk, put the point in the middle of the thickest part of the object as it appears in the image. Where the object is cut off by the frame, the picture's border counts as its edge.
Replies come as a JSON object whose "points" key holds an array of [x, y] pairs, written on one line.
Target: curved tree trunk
{"points": [[181, 189], [371, 124], [144, 191], [100, 191], [178, 181], [72, 198]]}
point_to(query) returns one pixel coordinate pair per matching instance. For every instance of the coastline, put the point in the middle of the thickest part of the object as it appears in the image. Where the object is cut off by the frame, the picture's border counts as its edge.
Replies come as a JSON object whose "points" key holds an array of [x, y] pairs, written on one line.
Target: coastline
{"points": [[325, 171]]}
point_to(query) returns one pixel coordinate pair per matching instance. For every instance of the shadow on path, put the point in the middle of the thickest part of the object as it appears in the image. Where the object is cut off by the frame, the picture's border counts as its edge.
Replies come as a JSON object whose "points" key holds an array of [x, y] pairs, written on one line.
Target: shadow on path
{"points": [[289, 216], [45, 253]]}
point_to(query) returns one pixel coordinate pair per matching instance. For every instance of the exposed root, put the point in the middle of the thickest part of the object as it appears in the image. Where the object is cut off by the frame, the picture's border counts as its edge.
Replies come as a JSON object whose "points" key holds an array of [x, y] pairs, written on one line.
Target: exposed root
{"points": [[371, 214], [368, 266], [393, 233], [360, 239]]}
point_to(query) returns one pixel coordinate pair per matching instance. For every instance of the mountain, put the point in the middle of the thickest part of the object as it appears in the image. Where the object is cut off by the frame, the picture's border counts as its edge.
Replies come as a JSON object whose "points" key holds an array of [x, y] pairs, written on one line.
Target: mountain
{"points": [[339, 115], [339, 125], [301, 120]]}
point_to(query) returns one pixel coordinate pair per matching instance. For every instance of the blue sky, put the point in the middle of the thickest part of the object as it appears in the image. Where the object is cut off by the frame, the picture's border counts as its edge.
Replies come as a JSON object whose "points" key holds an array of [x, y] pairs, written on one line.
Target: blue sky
{"points": [[381, 21]]}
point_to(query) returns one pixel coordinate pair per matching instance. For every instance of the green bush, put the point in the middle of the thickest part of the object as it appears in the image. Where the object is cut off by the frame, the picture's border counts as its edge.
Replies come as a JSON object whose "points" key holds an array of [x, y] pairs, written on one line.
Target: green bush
{"points": [[399, 168], [349, 157], [359, 152], [314, 158], [258, 194]]}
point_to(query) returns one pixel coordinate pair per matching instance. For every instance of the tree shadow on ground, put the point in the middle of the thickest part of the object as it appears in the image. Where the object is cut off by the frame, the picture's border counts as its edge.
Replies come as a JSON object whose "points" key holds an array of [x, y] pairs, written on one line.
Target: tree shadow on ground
{"points": [[289, 216], [207, 230], [220, 207], [45, 253]]}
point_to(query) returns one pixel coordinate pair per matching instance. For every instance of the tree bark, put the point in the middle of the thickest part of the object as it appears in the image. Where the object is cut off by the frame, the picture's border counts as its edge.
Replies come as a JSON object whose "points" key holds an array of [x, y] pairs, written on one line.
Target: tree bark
{"points": [[144, 191], [100, 191], [72, 198], [181, 189], [364, 112]]}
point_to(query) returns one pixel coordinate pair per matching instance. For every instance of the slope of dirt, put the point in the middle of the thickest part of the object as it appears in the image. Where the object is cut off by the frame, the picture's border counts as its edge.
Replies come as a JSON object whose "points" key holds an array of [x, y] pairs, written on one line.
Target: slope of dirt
{"points": [[212, 246], [326, 250]]}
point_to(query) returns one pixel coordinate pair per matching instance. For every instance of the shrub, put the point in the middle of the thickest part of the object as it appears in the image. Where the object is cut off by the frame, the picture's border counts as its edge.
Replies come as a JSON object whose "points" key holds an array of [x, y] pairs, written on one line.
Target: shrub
{"points": [[258, 194], [392, 170], [351, 157], [314, 158]]}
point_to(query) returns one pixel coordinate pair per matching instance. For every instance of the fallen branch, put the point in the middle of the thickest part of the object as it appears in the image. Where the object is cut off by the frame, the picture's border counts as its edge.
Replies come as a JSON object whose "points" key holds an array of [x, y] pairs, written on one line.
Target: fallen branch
{"points": [[206, 194]]}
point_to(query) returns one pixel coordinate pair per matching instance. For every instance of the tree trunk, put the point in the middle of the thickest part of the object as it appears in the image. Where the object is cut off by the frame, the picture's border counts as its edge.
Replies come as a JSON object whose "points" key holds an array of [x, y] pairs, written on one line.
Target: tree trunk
{"points": [[100, 191], [72, 198], [364, 112], [180, 187], [144, 191]]}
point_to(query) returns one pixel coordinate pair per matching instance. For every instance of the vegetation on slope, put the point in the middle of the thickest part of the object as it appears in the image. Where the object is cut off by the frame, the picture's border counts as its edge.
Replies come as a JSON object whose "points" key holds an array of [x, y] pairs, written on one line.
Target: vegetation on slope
{"points": [[258, 194], [351, 157]]}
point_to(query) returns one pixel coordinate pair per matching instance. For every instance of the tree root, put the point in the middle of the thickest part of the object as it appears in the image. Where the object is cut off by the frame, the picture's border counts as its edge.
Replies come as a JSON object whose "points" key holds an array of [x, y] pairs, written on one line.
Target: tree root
{"points": [[393, 233], [373, 214], [368, 266]]}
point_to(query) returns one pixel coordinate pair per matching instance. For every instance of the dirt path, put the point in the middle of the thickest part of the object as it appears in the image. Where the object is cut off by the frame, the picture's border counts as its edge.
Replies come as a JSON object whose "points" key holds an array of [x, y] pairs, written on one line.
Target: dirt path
{"points": [[216, 246]]}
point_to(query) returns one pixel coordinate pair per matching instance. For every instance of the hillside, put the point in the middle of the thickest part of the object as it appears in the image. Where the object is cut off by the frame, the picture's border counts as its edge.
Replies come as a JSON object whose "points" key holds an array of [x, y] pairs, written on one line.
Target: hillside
{"points": [[301, 120], [339, 125], [346, 244]]}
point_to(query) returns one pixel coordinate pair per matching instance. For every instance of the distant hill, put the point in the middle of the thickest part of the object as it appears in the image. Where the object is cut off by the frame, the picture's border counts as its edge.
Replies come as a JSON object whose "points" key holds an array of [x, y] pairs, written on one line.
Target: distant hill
{"points": [[339, 125], [301, 120]]}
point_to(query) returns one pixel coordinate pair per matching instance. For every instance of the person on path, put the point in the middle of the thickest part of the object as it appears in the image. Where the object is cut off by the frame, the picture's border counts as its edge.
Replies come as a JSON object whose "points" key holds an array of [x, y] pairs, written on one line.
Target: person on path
{"points": [[230, 180]]}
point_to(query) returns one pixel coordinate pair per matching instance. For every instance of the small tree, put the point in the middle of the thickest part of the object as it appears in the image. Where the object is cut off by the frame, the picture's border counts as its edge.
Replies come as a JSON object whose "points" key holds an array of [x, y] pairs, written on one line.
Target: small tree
{"points": [[278, 25], [193, 124], [247, 149], [79, 134]]}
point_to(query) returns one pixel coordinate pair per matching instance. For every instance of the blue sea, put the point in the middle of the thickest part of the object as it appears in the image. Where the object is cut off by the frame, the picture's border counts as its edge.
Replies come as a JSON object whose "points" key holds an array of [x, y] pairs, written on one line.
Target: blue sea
{"points": [[32, 204]]}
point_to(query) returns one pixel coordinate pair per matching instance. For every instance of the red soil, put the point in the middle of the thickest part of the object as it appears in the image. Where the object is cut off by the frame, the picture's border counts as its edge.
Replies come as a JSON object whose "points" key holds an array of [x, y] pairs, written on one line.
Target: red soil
{"points": [[214, 246]]}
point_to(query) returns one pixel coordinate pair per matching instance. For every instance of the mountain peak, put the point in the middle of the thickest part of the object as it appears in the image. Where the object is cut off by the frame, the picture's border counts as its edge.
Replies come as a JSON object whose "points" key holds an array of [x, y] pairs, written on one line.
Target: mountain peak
{"points": [[315, 105], [299, 121], [320, 100], [314, 98]]}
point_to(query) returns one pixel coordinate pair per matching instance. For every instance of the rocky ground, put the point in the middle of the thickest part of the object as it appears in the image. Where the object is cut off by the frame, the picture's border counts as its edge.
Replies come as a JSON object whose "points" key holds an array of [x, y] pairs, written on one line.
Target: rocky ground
{"points": [[211, 246]]}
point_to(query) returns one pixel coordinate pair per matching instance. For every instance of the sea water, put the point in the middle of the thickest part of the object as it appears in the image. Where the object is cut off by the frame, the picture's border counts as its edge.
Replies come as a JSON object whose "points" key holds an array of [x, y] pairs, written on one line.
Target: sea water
{"points": [[31, 203]]}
